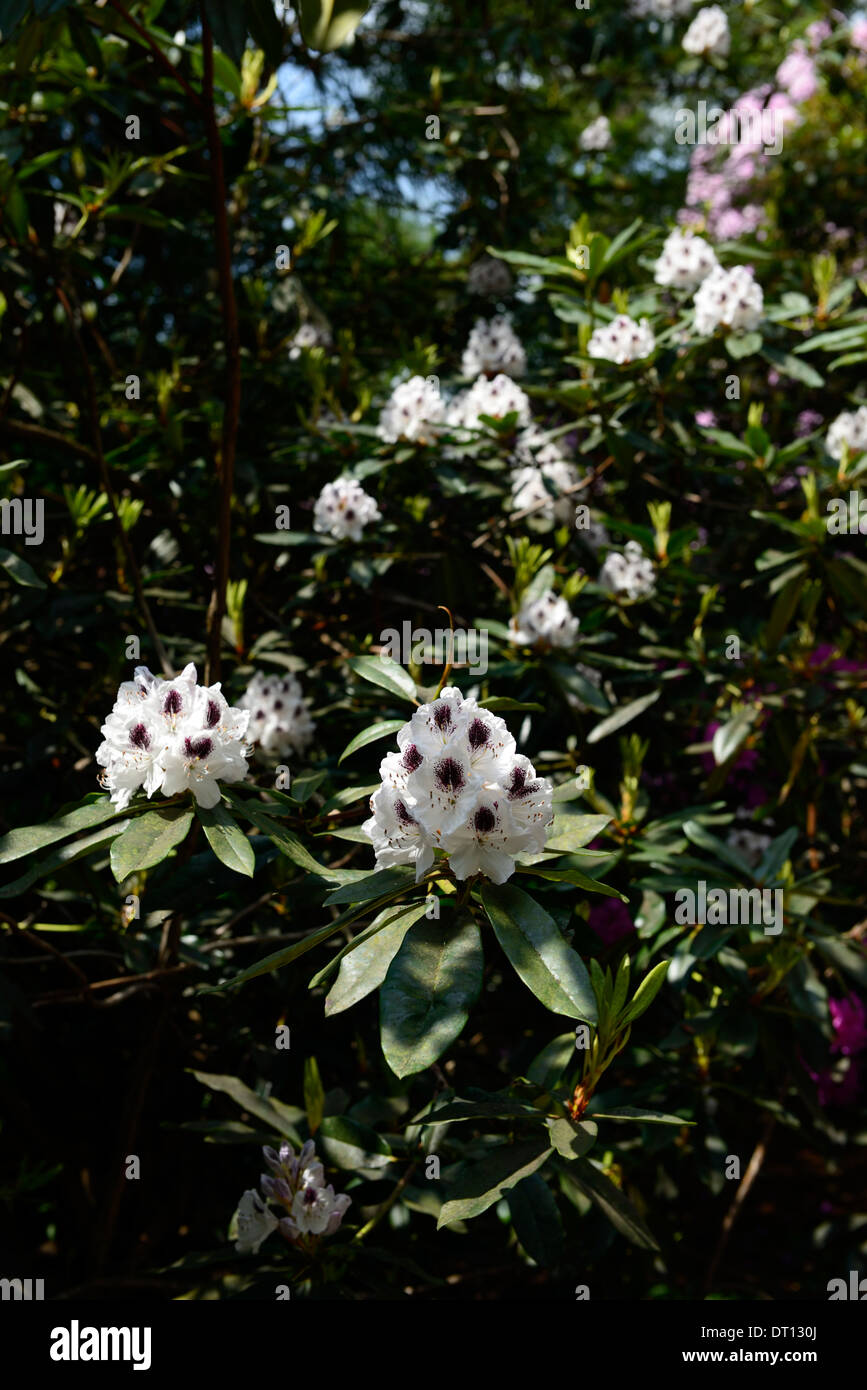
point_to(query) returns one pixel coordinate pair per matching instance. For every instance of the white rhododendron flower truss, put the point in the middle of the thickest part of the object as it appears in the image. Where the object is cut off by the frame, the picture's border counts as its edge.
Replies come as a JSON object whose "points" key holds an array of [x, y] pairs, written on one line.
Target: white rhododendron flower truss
{"points": [[497, 398], [280, 721], [686, 260], [172, 736], [343, 509], [622, 341], [297, 1188], [849, 430], [415, 411], [728, 299], [546, 621], [597, 135], [708, 34], [457, 784], [494, 346], [629, 575]]}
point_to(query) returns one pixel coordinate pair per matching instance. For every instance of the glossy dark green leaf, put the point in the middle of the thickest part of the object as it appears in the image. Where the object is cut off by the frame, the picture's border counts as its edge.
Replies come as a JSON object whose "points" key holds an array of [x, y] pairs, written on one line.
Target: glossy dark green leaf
{"points": [[282, 1119], [364, 967], [611, 1200], [572, 1140], [148, 840], [19, 570], [348, 1144], [624, 715], [479, 1185], [371, 734], [430, 987], [382, 671], [29, 838], [229, 25], [545, 962], [227, 840], [536, 1220]]}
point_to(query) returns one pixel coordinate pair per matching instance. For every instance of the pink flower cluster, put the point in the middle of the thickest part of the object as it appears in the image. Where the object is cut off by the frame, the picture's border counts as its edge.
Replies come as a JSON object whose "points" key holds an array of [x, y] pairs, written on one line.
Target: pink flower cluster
{"points": [[717, 195]]}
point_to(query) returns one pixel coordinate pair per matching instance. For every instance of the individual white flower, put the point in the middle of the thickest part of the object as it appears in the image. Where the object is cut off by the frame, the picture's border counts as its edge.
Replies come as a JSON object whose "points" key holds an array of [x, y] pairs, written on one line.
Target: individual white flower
{"points": [[343, 509], [597, 135], [308, 336], [171, 736], [594, 535], [686, 260], [317, 1210], [66, 218], [849, 430], [630, 574], [545, 490], [254, 1223], [533, 449], [498, 397], [489, 276], [415, 410], [708, 34], [622, 340], [546, 621], [280, 721], [455, 785], [493, 346], [728, 299]]}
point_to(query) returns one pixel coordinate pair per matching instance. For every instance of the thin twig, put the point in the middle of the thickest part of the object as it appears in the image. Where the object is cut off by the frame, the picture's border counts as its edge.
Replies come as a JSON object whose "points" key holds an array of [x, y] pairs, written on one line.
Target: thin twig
{"points": [[746, 1182]]}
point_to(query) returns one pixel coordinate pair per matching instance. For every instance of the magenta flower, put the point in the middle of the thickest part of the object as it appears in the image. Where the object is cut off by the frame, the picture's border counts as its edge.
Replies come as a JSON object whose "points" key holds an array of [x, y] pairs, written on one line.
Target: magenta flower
{"points": [[611, 921], [849, 1021]]}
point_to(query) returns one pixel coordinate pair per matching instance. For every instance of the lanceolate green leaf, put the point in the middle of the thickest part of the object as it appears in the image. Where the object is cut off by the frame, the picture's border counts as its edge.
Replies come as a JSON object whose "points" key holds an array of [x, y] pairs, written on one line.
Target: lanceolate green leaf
{"points": [[646, 992], [382, 671], [624, 715], [613, 1202], [29, 838], [66, 854], [363, 969], [371, 735], [149, 840], [326, 24], [282, 1119], [431, 984], [479, 1185], [536, 1220], [543, 959], [228, 841]]}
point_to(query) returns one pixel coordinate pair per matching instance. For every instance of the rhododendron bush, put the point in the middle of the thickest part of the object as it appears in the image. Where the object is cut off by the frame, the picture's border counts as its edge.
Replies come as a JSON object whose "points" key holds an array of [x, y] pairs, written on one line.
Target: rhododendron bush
{"points": [[435, 600]]}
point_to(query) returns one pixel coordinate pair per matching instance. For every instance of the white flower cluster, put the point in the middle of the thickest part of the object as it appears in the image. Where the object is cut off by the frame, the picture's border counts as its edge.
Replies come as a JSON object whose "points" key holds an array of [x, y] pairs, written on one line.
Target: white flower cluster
{"points": [[546, 621], [280, 721], [494, 346], [622, 340], [708, 34], [415, 410], [489, 276], [685, 262], [171, 736], [298, 1187], [343, 509], [497, 397], [542, 479], [728, 299], [457, 784], [308, 336], [597, 135], [630, 573], [849, 430]]}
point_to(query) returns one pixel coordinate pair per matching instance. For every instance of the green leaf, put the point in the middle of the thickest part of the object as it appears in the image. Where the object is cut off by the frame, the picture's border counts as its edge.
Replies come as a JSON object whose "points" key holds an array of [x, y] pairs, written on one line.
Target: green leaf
{"points": [[571, 832], [431, 984], [574, 876], [314, 1094], [11, 13], [624, 715], [375, 884], [500, 1108], [282, 1119], [365, 961], [728, 737], [545, 962], [638, 1115], [256, 813], [646, 992], [20, 571], [549, 1065], [743, 345], [479, 1185], [370, 735], [615, 1204], [266, 29], [572, 1140], [228, 840], [350, 1145], [79, 849], [536, 1220], [793, 367], [326, 24], [149, 840], [502, 702], [229, 25], [382, 671], [29, 838]]}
